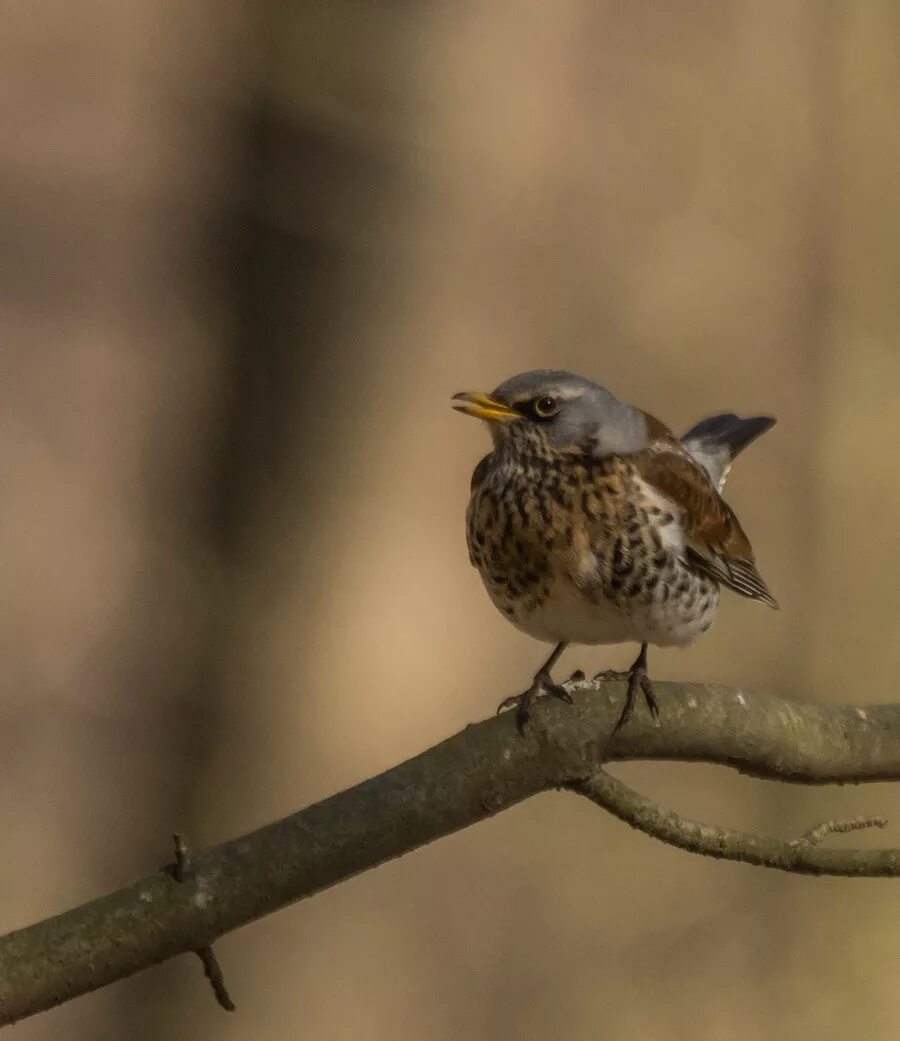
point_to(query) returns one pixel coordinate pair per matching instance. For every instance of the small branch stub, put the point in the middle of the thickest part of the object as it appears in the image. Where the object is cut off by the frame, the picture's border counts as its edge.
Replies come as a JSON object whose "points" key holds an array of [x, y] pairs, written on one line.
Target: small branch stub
{"points": [[183, 872], [213, 973]]}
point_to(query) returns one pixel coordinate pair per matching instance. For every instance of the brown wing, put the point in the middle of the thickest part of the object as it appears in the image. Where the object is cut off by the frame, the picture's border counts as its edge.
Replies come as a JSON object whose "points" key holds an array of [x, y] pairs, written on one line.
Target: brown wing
{"points": [[715, 542]]}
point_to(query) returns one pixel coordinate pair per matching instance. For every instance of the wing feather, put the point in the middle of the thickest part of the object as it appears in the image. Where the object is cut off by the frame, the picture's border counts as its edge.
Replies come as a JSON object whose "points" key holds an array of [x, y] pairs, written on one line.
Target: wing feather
{"points": [[715, 542]]}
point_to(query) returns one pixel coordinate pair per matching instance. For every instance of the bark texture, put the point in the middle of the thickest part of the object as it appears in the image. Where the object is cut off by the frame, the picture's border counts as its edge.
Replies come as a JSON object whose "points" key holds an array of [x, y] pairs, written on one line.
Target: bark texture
{"points": [[480, 771]]}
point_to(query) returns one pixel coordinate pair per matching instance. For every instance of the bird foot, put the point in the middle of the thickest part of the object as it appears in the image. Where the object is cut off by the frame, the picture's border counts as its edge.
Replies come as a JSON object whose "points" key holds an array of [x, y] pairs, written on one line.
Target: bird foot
{"points": [[638, 680], [543, 684]]}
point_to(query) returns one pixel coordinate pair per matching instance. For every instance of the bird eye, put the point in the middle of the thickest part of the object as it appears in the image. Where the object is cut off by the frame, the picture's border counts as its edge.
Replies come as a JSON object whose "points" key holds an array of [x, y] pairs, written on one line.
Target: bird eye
{"points": [[545, 407]]}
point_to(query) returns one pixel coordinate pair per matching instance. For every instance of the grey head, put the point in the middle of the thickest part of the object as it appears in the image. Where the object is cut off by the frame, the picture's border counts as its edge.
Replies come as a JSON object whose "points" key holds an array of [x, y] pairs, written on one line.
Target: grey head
{"points": [[566, 410]]}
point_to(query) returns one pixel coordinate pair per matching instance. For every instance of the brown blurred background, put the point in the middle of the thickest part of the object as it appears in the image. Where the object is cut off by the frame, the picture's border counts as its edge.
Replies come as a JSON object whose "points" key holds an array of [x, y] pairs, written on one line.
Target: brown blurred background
{"points": [[248, 251]]}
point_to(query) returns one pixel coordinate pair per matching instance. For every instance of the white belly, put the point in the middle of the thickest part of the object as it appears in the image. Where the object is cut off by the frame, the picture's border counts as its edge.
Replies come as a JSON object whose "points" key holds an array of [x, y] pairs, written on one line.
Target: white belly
{"points": [[567, 614]]}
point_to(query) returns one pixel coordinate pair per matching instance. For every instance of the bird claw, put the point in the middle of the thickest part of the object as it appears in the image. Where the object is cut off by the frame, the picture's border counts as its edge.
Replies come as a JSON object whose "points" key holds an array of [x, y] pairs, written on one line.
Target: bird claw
{"points": [[509, 702], [637, 680], [556, 691], [522, 703], [649, 696], [542, 684]]}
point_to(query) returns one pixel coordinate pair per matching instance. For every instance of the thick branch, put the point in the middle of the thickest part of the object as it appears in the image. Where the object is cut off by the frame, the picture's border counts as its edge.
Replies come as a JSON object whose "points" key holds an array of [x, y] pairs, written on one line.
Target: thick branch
{"points": [[480, 771]]}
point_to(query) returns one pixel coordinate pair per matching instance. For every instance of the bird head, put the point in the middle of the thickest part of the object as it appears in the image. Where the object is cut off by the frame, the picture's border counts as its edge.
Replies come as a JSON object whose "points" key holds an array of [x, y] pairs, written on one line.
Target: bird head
{"points": [[560, 409]]}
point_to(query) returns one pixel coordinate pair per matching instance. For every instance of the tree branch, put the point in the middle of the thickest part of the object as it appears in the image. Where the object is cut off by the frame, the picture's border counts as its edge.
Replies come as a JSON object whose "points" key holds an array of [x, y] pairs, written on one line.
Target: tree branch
{"points": [[803, 856], [479, 772]]}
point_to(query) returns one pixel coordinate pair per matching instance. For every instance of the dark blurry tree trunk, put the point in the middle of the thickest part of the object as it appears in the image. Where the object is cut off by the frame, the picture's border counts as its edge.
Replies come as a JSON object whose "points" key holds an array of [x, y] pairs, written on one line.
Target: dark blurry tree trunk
{"points": [[273, 254]]}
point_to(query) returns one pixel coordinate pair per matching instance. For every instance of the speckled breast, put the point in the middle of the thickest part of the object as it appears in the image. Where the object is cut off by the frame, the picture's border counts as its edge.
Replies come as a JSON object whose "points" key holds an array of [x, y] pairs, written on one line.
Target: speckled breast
{"points": [[571, 548]]}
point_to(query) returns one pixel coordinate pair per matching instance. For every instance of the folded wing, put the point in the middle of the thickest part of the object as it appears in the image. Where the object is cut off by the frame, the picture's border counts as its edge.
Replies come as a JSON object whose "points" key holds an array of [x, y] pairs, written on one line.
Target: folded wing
{"points": [[715, 543]]}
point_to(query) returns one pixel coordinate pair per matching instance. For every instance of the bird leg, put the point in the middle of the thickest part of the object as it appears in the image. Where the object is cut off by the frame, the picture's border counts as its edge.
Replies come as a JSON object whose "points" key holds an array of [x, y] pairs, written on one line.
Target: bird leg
{"points": [[637, 680], [542, 684]]}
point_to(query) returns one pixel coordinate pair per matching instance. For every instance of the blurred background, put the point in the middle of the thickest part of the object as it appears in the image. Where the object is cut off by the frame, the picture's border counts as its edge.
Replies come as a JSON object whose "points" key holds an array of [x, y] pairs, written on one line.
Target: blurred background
{"points": [[247, 252]]}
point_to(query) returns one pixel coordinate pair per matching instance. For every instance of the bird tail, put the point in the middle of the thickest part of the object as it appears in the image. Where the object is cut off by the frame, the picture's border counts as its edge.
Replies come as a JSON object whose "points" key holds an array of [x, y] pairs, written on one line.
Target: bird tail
{"points": [[715, 441]]}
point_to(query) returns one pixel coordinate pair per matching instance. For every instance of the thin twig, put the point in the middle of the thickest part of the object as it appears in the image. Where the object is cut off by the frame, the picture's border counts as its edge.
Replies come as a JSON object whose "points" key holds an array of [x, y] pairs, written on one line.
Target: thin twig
{"points": [[803, 856], [216, 979], [838, 827]]}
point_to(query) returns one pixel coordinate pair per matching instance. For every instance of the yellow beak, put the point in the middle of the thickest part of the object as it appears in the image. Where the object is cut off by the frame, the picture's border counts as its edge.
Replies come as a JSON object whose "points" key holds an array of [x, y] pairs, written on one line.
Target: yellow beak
{"points": [[482, 406]]}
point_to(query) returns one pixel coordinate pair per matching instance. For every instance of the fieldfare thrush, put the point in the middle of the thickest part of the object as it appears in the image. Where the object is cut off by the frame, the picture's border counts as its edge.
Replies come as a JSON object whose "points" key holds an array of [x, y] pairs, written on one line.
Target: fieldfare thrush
{"points": [[590, 522]]}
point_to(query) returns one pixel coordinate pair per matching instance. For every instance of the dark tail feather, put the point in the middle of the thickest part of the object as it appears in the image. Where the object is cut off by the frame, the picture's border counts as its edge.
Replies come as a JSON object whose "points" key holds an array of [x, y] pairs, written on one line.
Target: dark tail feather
{"points": [[728, 431], [714, 442]]}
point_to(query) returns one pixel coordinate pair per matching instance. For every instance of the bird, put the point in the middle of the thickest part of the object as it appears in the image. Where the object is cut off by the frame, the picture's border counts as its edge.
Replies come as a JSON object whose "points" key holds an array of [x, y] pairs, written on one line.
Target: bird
{"points": [[590, 522]]}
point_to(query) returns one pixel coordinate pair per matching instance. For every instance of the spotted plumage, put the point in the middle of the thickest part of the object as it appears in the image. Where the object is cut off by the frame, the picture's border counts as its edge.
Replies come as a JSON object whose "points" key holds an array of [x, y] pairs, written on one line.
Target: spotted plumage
{"points": [[590, 522]]}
